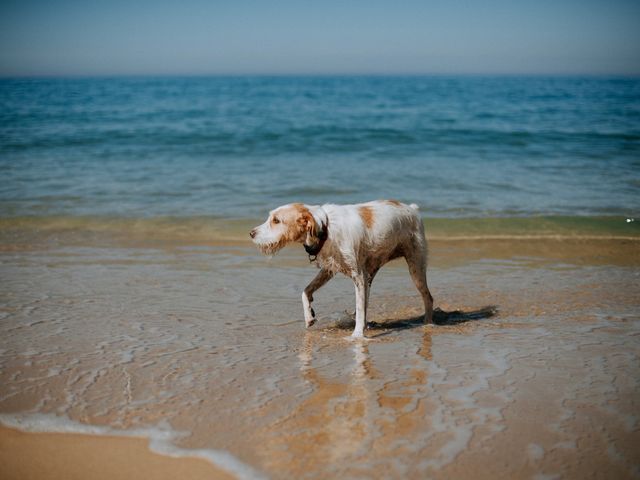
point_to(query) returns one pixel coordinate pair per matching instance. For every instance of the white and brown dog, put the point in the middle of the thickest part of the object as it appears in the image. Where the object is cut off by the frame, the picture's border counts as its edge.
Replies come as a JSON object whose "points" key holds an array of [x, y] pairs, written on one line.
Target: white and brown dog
{"points": [[356, 240]]}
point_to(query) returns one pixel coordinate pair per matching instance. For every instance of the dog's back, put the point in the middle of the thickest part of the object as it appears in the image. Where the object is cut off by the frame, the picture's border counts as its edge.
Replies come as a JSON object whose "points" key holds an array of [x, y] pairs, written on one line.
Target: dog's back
{"points": [[376, 225]]}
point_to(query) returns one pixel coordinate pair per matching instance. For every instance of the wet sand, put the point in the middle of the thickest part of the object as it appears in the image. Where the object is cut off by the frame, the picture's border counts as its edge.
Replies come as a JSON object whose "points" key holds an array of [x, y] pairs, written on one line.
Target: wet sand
{"points": [[53, 456], [532, 371]]}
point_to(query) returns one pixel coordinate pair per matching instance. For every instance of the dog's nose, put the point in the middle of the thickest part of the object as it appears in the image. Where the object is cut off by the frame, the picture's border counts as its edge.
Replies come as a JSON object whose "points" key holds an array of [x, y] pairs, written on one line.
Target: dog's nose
{"points": [[253, 233]]}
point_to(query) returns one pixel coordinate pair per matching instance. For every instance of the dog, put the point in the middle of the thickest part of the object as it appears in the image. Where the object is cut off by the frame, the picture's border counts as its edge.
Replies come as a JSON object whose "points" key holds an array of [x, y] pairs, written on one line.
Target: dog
{"points": [[355, 240]]}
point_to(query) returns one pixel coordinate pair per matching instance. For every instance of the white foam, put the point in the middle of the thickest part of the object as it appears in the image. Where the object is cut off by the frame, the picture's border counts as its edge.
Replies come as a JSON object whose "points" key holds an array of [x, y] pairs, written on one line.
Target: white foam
{"points": [[546, 476], [535, 452], [161, 439], [454, 395]]}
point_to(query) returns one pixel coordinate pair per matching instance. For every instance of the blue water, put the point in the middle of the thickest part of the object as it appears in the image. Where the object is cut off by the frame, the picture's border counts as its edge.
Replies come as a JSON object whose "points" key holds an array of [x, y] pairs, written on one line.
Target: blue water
{"points": [[236, 147]]}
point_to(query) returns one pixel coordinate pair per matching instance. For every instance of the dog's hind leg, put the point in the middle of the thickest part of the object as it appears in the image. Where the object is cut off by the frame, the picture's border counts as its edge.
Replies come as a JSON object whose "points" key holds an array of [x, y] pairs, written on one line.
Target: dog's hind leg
{"points": [[321, 278], [417, 262]]}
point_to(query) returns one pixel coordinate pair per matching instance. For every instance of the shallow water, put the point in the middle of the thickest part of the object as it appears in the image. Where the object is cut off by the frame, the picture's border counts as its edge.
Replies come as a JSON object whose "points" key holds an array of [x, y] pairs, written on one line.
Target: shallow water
{"points": [[209, 342]]}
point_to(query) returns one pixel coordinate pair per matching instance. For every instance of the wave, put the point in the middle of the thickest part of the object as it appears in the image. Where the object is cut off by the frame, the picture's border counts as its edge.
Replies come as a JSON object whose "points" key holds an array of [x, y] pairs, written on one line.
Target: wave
{"points": [[316, 139], [200, 230], [161, 439]]}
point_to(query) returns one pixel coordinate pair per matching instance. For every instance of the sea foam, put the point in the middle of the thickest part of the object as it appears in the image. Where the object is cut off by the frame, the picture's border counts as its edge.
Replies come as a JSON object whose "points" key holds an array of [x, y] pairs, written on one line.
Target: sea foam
{"points": [[161, 439]]}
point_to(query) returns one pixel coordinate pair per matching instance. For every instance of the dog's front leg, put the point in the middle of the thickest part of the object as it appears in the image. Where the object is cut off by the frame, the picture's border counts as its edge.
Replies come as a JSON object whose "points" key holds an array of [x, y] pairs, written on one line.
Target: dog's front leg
{"points": [[361, 305], [322, 277]]}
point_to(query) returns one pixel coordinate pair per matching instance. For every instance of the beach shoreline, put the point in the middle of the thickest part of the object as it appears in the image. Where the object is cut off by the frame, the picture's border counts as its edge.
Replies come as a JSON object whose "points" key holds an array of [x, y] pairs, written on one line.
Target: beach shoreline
{"points": [[70, 456], [538, 337]]}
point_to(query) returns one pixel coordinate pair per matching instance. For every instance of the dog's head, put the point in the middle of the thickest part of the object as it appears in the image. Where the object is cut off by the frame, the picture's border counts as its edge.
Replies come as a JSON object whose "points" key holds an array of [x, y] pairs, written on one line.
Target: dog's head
{"points": [[286, 224]]}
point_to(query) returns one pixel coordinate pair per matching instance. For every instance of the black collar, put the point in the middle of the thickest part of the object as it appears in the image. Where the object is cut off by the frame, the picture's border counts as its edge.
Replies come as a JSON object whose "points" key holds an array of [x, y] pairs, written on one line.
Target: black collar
{"points": [[313, 251]]}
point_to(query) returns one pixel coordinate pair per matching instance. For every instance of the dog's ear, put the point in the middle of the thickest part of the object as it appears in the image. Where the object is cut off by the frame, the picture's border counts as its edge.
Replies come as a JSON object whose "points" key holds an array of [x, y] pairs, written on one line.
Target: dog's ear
{"points": [[307, 223]]}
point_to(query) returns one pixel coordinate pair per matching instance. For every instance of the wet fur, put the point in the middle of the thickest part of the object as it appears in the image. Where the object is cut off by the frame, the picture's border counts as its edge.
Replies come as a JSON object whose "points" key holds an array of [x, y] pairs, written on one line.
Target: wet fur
{"points": [[360, 239]]}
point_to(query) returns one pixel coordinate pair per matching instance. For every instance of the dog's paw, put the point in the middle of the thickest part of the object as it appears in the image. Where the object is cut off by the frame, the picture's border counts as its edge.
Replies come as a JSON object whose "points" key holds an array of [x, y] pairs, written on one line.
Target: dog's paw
{"points": [[310, 319]]}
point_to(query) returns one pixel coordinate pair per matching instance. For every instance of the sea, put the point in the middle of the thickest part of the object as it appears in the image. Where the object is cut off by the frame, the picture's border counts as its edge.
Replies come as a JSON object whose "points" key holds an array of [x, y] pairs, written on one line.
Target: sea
{"points": [[179, 148]]}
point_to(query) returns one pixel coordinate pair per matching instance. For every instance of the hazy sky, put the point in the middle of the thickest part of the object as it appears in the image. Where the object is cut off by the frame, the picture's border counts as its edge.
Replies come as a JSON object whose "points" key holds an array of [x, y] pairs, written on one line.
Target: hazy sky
{"points": [[90, 37]]}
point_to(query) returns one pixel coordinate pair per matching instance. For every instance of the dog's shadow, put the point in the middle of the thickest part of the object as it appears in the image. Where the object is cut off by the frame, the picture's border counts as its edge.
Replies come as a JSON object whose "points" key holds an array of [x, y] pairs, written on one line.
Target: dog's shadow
{"points": [[440, 317]]}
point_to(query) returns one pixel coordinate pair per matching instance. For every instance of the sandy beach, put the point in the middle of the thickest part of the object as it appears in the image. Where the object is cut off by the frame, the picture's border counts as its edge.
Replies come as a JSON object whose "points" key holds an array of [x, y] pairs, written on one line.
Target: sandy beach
{"points": [[53, 456], [531, 371]]}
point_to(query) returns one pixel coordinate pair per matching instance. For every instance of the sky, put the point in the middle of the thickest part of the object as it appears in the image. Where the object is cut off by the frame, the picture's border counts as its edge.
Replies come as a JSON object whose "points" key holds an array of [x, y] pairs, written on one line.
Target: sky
{"points": [[196, 37]]}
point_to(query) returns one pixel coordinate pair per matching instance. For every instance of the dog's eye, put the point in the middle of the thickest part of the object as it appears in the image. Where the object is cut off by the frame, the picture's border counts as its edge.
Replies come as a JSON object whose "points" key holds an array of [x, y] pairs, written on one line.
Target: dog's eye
{"points": [[276, 220]]}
